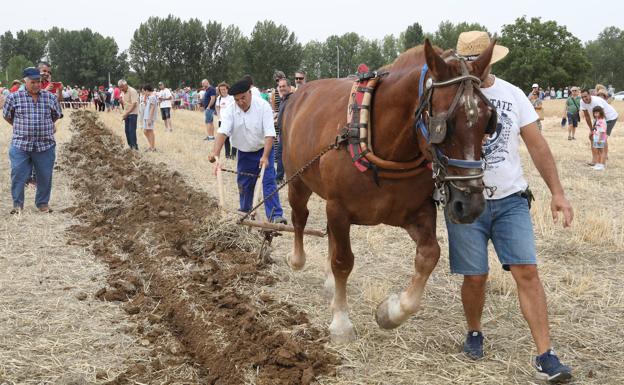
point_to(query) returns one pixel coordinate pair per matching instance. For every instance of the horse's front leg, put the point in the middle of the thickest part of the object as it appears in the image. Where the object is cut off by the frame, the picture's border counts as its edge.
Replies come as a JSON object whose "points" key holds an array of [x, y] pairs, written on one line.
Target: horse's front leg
{"points": [[396, 309], [341, 256]]}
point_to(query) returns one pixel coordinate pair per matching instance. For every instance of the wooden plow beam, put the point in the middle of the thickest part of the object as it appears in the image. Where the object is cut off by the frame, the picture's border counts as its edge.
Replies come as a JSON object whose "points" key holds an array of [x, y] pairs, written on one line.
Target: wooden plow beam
{"points": [[267, 226]]}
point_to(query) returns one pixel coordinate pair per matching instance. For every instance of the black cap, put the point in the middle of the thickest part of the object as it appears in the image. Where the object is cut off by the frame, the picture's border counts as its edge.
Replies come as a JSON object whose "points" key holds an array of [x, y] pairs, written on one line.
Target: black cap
{"points": [[31, 73], [240, 87]]}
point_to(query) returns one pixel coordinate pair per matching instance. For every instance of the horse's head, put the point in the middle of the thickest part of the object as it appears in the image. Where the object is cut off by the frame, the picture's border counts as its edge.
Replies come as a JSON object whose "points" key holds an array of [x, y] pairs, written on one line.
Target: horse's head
{"points": [[454, 117]]}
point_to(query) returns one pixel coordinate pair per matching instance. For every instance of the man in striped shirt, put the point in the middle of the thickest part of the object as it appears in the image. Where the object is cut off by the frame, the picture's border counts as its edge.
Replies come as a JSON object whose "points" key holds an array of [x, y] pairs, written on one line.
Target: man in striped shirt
{"points": [[32, 113]]}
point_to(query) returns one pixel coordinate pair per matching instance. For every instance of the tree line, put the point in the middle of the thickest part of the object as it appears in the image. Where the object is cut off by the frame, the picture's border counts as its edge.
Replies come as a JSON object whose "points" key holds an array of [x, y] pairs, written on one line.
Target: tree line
{"points": [[182, 52]]}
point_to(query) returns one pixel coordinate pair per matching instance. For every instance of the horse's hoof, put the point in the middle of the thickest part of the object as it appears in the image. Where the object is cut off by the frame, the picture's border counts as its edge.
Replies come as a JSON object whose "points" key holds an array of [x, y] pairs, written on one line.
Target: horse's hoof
{"points": [[390, 305], [343, 336], [296, 263]]}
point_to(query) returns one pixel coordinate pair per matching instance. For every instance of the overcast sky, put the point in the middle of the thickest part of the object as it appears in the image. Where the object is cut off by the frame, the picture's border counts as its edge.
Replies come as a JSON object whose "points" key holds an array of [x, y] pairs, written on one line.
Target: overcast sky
{"points": [[313, 19]]}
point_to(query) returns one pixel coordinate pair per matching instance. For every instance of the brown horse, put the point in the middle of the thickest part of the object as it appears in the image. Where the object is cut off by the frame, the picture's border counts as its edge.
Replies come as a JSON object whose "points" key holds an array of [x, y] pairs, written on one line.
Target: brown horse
{"points": [[310, 123]]}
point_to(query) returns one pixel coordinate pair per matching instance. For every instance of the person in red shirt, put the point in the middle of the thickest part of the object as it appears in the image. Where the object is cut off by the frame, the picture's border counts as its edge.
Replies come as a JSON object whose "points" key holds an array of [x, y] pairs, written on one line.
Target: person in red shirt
{"points": [[46, 80], [116, 98], [15, 86]]}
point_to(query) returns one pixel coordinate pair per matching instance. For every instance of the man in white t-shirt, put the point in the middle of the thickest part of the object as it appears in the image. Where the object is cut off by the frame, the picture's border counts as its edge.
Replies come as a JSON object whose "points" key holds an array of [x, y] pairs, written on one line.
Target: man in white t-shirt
{"points": [[506, 220], [165, 97], [588, 102], [249, 125]]}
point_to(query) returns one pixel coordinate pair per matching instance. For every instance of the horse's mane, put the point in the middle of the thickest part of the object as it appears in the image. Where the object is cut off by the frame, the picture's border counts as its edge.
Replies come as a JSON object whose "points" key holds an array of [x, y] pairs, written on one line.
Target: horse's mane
{"points": [[412, 57]]}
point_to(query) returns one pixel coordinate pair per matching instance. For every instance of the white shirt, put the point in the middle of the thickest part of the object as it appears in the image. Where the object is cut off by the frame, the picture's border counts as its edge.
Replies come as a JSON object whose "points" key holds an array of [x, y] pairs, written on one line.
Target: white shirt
{"points": [[610, 112], [165, 93], [503, 166], [224, 102], [247, 129]]}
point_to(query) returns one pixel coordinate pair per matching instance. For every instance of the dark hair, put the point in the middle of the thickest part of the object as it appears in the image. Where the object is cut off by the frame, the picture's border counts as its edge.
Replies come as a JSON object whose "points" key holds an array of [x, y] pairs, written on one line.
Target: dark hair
{"points": [[600, 111], [248, 78], [284, 79], [148, 87], [585, 90], [43, 63]]}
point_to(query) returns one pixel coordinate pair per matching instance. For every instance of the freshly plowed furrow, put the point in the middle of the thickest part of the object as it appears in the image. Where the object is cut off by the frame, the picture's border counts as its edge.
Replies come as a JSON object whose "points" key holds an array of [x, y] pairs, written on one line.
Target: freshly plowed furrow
{"points": [[148, 225]]}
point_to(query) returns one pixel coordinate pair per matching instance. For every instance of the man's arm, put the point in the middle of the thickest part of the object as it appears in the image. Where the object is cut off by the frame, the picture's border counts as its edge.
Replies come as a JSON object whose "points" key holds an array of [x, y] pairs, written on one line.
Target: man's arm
{"points": [[8, 110], [216, 147], [545, 164], [587, 119], [211, 102], [268, 146], [205, 99]]}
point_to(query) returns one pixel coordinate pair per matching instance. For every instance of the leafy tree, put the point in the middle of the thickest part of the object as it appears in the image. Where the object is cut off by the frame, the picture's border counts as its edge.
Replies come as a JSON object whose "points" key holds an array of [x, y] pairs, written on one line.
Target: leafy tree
{"points": [[390, 48], [606, 55], [84, 57], [447, 34], [30, 44], [7, 48], [15, 67], [412, 36], [272, 47], [542, 52], [311, 60], [155, 51], [224, 53], [370, 53]]}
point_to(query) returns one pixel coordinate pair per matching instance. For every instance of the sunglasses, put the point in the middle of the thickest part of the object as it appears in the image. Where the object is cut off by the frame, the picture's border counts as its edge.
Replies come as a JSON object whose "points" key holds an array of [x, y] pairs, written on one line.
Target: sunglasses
{"points": [[296, 78]]}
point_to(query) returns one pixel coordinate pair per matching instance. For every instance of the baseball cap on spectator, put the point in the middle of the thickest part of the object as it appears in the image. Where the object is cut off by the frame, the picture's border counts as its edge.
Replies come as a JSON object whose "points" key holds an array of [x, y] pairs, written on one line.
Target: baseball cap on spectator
{"points": [[31, 73], [535, 85]]}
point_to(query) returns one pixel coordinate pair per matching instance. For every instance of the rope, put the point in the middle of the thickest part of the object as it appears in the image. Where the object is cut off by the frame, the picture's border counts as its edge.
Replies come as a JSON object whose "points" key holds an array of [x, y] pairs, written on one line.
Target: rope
{"points": [[290, 178]]}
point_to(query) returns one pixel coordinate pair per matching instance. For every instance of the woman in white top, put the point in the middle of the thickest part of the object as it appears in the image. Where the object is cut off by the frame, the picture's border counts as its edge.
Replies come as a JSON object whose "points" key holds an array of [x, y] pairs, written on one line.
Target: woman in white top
{"points": [[225, 100], [150, 114]]}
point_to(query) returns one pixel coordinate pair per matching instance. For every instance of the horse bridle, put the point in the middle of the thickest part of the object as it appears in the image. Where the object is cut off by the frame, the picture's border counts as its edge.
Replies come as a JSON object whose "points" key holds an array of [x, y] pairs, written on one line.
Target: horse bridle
{"points": [[439, 127]]}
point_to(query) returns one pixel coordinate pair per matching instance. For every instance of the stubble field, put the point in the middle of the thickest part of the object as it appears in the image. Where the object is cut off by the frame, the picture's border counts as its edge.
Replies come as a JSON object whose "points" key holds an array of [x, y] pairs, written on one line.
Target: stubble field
{"points": [[131, 281]]}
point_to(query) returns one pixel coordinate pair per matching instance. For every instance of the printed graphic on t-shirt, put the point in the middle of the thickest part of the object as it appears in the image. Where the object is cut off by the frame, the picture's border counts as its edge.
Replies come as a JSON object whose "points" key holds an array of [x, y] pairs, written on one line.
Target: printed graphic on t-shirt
{"points": [[496, 147]]}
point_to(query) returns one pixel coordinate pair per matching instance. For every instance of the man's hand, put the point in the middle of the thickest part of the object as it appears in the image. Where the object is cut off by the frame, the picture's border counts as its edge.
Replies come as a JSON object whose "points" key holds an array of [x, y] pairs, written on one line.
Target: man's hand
{"points": [[212, 159], [560, 203], [49, 87], [264, 162]]}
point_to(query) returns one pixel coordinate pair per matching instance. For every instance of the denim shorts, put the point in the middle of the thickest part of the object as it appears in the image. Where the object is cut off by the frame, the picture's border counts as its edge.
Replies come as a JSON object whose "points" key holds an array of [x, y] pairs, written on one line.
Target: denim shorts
{"points": [[209, 115], [507, 222], [573, 120]]}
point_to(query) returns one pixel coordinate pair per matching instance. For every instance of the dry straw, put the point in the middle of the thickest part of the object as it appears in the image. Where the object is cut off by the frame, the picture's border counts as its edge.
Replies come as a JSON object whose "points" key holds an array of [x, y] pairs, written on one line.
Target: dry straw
{"points": [[580, 267]]}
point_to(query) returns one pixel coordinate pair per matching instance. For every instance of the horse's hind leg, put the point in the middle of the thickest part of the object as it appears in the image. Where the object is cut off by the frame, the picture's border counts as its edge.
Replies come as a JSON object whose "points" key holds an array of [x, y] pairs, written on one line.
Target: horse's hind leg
{"points": [[338, 226], [298, 196], [395, 309]]}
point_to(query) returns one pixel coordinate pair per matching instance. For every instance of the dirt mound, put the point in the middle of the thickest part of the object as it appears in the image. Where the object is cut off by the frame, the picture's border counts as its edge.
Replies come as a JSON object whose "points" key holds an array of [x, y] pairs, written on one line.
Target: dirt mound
{"points": [[152, 228]]}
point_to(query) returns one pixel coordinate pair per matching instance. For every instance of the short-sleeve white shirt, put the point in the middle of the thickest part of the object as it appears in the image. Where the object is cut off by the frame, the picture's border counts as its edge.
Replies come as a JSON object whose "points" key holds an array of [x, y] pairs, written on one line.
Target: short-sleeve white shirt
{"points": [[248, 129], [597, 101], [165, 93], [503, 165]]}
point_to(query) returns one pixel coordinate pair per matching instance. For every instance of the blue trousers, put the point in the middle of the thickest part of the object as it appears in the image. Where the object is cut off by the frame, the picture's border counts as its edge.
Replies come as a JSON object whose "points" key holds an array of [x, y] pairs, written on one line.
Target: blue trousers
{"points": [[131, 126], [278, 159], [249, 162], [22, 164]]}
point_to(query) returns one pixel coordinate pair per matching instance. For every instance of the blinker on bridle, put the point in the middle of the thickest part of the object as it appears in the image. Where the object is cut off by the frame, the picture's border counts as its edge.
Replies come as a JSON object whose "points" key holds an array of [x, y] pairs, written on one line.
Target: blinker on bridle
{"points": [[439, 126]]}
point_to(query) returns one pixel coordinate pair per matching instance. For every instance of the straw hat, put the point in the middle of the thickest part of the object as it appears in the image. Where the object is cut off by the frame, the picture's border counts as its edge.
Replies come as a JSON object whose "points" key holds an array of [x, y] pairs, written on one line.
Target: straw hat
{"points": [[471, 44]]}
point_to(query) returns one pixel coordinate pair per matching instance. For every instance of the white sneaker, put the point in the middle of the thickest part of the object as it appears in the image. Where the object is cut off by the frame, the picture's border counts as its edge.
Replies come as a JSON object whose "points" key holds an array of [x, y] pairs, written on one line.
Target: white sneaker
{"points": [[599, 167]]}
